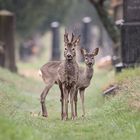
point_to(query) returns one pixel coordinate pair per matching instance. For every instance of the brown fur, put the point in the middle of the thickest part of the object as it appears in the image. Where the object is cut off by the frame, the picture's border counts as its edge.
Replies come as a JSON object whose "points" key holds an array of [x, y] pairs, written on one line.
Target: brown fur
{"points": [[49, 75], [85, 76], [68, 75], [55, 72]]}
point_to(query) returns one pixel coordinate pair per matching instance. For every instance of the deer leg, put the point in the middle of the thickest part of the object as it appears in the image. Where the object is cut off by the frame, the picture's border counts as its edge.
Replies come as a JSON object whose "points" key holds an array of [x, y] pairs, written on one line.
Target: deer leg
{"points": [[75, 102], [82, 100], [72, 110], [63, 109], [66, 106], [65, 102], [43, 96], [61, 100], [72, 94]]}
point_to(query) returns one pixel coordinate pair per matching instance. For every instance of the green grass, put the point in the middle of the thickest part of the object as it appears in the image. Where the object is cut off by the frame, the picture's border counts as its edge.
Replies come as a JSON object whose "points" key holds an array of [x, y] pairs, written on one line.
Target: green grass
{"points": [[110, 118]]}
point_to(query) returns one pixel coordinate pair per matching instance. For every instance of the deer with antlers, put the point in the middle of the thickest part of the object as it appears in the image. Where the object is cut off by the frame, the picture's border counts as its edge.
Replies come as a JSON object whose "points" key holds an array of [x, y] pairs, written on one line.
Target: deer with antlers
{"points": [[65, 74], [68, 73]]}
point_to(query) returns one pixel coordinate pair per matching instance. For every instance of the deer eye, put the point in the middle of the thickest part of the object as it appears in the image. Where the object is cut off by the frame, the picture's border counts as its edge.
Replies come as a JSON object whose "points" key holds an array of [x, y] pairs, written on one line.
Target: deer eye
{"points": [[92, 58], [86, 58], [65, 49]]}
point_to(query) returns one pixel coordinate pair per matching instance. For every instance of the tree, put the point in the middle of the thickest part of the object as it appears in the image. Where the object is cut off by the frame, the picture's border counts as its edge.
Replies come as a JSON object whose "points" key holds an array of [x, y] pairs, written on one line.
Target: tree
{"points": [[36, 14], [106, 20]]}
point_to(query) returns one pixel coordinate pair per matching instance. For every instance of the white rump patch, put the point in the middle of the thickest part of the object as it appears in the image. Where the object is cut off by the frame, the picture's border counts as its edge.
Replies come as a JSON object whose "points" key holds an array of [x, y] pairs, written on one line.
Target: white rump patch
{"points": [[40, 73]]}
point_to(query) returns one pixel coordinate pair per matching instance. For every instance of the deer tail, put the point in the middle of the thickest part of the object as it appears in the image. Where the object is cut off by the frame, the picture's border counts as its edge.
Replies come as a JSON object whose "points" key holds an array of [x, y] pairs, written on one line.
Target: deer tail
{"points": [[40, 73]]}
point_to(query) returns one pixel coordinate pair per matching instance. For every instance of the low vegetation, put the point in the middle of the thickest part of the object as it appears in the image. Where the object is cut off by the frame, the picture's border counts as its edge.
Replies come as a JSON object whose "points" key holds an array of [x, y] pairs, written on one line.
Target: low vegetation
{"points": [[106, 118]]}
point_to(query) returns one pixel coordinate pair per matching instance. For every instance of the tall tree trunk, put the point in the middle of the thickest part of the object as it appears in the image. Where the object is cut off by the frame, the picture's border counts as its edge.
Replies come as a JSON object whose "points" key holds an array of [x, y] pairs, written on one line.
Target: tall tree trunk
{"points": [[107, 22]]}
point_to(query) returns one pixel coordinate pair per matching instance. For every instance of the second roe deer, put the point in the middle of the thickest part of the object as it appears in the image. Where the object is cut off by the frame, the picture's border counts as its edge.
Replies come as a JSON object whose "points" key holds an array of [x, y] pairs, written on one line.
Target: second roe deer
{"points": [[85, 76]]}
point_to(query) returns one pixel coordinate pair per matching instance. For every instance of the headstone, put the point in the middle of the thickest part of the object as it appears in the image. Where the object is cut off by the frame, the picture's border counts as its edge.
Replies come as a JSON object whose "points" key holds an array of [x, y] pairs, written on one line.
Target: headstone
{"points": [[86, 33], [132, 10], [7, 29], [55, 41], [2, 54], [85, 43], [130, 32]]}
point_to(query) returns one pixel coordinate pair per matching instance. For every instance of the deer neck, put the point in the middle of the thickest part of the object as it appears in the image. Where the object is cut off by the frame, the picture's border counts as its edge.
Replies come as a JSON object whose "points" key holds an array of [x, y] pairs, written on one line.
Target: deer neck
{"points": [[71, 71], [70, 66], [89, 72]]}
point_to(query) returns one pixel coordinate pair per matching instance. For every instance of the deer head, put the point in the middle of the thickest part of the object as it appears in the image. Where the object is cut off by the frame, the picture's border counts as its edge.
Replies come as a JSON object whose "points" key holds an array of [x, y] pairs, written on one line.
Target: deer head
{"points": [[70, 46], [89, 57]]}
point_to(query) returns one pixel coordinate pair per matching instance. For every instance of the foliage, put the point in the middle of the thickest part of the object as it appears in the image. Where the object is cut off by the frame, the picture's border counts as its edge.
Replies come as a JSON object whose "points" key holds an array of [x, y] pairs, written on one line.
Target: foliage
{"points": [[36, 14], [106, 19], [106, 119]]}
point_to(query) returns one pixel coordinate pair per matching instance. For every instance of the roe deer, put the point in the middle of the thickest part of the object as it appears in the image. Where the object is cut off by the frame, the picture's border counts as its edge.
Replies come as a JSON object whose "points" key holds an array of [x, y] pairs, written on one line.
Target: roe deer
{"points": [[49, 74], [68, 74], [85, 76]]}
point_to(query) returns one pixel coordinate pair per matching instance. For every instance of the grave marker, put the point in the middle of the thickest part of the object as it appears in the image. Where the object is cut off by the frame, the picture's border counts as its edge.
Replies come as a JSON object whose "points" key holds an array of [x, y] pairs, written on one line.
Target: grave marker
{"points": [[55, 41], [130, 33]]}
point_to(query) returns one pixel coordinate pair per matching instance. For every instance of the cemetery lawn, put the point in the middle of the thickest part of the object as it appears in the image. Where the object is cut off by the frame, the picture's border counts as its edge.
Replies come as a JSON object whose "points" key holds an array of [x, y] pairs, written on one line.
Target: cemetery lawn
{"points": [[109, 118]]}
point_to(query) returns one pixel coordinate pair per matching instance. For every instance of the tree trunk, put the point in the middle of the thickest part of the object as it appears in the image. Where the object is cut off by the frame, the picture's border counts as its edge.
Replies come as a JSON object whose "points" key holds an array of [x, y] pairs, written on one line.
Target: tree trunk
{"points": [[107, 22]]}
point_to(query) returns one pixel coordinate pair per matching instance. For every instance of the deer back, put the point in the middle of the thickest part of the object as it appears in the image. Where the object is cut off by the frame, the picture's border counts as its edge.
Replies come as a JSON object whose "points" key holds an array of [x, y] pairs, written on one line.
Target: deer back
{"points": [[49, 71]]}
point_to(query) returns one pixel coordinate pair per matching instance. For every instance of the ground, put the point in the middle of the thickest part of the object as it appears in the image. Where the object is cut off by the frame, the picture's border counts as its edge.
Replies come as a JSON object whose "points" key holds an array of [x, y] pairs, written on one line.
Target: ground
{"points": [[106, 118]]}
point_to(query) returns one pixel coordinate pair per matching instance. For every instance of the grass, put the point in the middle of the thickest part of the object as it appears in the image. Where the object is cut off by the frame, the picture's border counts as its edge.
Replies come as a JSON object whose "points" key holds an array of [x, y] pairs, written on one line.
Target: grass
{"points": [[106, 118]]}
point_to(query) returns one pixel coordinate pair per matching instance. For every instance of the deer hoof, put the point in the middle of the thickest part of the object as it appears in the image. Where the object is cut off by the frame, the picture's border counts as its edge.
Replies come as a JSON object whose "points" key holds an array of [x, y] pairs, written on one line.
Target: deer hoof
{"points": [[83, 116], [73, 117], [64, 117], [45, 115]]}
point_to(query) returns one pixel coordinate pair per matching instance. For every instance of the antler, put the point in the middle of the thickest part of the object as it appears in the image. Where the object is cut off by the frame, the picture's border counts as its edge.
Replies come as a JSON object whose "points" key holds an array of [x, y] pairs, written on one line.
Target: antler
{"points": [[66, 40], [72, 38], [77, 40]]}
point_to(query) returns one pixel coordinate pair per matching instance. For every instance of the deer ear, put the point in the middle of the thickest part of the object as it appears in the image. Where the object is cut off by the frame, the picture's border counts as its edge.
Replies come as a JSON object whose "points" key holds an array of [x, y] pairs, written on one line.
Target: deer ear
{"points": [[95, 52], [77, 41], [83, 51]]}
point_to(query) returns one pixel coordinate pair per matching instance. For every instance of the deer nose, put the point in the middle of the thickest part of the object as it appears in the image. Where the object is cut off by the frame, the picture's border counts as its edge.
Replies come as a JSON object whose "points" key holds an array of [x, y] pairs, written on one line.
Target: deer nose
{"points": [[90, 63], [68, 55]]}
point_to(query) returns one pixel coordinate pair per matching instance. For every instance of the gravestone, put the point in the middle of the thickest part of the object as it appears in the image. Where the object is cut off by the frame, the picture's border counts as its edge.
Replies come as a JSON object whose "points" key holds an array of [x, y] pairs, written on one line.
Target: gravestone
{"points": [[2, 54], [7, 30], [130, 32], [55, 41], [132, 10], [86, 33]]}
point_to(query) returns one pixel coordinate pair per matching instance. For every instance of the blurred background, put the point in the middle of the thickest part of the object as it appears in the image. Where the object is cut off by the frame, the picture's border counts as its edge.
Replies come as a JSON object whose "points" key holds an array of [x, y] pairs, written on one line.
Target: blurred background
{"points": [[31, 32]]}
